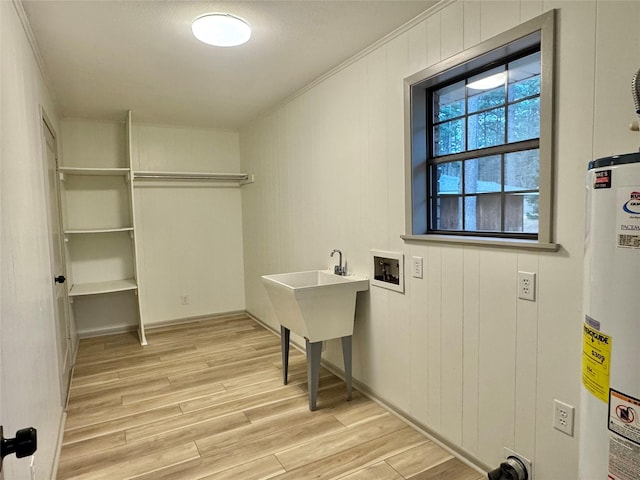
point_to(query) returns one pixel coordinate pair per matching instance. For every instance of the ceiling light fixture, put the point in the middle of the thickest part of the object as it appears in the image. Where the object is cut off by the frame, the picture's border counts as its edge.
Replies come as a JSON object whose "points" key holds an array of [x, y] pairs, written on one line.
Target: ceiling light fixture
{"points": [[221, 30], [487, 83]]}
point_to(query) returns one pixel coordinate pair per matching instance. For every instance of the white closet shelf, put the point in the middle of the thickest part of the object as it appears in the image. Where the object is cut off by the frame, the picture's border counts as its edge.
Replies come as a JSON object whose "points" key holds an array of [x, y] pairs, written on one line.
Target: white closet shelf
{"points": [[93, 171], [72, 231], [79, 289]]}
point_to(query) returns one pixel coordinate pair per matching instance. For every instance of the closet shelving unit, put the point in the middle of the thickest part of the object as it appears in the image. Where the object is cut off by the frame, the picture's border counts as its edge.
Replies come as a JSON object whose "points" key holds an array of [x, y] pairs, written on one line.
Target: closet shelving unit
{"points": [[99, 224]]}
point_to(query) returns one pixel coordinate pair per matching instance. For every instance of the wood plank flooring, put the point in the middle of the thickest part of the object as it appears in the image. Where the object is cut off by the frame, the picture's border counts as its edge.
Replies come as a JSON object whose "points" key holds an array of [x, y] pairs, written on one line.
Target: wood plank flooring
{"points": [[205, 400]]}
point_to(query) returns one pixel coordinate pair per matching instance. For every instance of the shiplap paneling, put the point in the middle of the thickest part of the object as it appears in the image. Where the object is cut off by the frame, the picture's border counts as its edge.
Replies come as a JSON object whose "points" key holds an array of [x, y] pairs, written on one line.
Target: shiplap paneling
{"points": [[30, 390], [434, 55], [434, 336], [471, 23], [417, 55], [497, 369], [418, 293], [496, 16], [530, 9], [616, 62], [526, 356], [452, 35], [451, 363], [470, 349]]}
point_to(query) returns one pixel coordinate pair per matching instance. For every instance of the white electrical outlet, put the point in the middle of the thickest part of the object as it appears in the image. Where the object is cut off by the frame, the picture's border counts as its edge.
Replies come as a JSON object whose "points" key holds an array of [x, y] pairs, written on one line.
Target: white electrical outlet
{"points": [[527, 286], [416, 267], [563, 417], [184, 299]]}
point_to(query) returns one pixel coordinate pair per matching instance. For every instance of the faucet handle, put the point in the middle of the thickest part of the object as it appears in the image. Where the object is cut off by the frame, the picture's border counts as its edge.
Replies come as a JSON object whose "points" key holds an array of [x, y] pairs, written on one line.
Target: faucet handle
{"points": [[338, 270]]}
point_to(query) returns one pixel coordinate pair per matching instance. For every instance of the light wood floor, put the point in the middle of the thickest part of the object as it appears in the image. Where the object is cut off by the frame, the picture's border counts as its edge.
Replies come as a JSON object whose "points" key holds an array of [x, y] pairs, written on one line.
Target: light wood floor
{"points": [[205, 400]]}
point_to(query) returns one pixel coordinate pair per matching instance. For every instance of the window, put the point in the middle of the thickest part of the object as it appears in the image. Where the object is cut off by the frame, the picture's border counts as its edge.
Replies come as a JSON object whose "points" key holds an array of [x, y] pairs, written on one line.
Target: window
{"points": [[480, 141]]}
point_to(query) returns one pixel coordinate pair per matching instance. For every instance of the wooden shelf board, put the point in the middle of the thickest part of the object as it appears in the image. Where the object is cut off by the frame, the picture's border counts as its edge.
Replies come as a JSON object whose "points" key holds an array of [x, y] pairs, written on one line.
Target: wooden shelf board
{"points": [[94, 288]]}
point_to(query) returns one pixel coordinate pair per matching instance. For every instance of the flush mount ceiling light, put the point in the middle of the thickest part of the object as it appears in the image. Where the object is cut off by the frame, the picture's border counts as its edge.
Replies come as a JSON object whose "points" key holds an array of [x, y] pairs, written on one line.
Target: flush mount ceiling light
{"points": [[487, 83], [221, 30]]}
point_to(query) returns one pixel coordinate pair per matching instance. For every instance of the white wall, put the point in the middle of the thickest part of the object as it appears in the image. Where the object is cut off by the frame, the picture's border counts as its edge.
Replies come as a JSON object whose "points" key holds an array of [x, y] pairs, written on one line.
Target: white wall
{"points": [[189, 233], [457, 352], [29, 383]]}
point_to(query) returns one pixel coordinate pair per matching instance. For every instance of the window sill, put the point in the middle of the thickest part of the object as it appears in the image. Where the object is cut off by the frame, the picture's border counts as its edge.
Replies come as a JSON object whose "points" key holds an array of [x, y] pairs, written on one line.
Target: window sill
{"points": [[484, 242]]}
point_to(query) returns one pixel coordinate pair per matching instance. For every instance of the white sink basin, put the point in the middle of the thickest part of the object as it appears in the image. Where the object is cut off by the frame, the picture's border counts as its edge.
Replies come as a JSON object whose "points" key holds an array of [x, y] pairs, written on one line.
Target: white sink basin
{"points": [[317, 305]]}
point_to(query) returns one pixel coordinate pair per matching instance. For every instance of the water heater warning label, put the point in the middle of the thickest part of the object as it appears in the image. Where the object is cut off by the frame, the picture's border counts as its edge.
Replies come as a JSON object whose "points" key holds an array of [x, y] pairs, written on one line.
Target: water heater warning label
{"points": [[623, 416], [628, 218], [624, 459], [596, 360], [624, 453]]}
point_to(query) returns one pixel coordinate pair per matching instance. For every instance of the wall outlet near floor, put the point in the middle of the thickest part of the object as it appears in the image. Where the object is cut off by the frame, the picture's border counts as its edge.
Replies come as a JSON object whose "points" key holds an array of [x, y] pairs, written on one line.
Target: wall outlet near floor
{"points": [[527, 286], [563, 417], [185, 299], [416, 267]]}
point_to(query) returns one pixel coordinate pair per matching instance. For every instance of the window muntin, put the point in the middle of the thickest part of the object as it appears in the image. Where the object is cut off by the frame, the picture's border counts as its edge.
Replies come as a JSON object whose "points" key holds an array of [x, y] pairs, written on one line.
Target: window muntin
{"points": [[483, 157]]}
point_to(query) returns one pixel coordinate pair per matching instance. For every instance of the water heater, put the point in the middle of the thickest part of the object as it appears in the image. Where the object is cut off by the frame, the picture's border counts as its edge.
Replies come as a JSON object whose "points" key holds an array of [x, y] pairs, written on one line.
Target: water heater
{"points": [[610, 397]]}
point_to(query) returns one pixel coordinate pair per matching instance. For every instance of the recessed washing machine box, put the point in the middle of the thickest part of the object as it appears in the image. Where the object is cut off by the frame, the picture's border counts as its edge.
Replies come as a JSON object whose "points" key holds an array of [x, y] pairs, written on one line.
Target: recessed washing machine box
{"points": [[387, 270]]}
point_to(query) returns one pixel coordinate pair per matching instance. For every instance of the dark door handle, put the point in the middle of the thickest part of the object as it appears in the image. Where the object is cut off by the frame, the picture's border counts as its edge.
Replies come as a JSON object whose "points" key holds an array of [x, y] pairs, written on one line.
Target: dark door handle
{"points": [[59, 279], [25, 443]]}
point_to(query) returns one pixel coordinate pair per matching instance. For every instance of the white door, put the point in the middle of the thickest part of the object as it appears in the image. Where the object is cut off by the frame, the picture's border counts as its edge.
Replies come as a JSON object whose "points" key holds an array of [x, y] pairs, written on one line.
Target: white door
{"points": [[61, 306]]}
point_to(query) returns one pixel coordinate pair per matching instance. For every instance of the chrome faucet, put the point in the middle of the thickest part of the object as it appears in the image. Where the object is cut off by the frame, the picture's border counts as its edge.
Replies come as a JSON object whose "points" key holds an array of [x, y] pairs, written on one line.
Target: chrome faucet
{"points": [[339, 269]]}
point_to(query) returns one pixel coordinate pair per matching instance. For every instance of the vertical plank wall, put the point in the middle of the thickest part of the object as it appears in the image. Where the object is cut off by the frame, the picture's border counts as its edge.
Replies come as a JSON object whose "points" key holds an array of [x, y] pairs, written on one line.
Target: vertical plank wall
{"points": [[29, 375], [457, 351]]}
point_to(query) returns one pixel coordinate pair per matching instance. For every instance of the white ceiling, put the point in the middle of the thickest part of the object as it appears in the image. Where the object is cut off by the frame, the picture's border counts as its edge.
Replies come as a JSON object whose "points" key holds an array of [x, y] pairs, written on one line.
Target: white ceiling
{"points": [[106, 57]]}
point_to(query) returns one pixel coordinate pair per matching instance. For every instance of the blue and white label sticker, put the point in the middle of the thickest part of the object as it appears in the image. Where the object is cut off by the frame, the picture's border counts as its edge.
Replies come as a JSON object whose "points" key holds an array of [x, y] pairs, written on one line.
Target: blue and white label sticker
{"points": [[628, 217]]}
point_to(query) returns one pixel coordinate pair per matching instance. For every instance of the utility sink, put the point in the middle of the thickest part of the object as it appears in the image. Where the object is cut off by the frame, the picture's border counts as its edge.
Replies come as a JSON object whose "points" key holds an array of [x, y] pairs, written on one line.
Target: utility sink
{"points": [[317, 304]]}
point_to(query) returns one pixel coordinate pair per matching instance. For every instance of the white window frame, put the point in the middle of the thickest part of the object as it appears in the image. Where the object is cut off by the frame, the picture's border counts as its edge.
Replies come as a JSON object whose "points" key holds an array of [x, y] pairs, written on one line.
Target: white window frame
{"points": [[538, 30]]}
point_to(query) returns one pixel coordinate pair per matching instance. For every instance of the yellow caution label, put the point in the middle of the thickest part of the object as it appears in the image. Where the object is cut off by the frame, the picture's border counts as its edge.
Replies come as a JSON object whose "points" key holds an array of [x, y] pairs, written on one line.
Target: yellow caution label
{"points": [[596, 360]]}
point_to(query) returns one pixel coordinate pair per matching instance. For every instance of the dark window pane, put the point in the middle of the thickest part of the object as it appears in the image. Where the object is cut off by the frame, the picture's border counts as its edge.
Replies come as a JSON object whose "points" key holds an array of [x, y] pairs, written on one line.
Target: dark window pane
{"points": [[482, 175], [524, 77], [448, 102], [483, 213], [524, 120], [486, 129], [449, 213], [521, 213], [449, 177], [448, 138], [522, 170]]}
